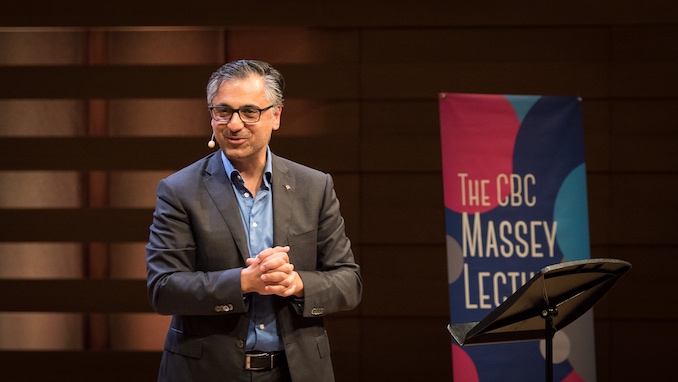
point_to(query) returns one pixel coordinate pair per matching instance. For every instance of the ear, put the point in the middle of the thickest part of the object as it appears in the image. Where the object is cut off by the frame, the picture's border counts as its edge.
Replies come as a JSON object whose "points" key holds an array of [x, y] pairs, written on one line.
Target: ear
{"points": [[276, 117]]}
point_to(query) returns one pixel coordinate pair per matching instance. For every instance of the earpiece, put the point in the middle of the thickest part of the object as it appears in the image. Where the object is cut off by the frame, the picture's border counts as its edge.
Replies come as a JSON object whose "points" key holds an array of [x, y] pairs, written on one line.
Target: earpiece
{"points": [[211, 143]]}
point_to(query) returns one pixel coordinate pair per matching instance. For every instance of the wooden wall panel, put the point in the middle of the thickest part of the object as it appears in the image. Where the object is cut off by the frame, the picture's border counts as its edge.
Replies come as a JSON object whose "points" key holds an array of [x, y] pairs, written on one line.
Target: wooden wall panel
{"points": [[335, 154], [391, 203], [347, 187], [501, 44], [644, 42], [345, 333], [65, 366], [100, 153], [396, 278], [627, 365], [644, 116], [599, 195], [546, 78], [644, 128], [642, 295], [103, 81], [338, 46], [405, 349], [657, 150], [615, 360], [643, 209], [400, 119], [349, 13], [159, 153], [75, 225], [162, 81], [410, 152], [644, 79], [89, 296], [131, 47], [596, 116], [329, 119]]}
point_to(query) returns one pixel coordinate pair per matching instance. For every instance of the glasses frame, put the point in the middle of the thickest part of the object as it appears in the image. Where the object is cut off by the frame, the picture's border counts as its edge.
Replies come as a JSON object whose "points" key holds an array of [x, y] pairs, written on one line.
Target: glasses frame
{"points": [[234, 111]]}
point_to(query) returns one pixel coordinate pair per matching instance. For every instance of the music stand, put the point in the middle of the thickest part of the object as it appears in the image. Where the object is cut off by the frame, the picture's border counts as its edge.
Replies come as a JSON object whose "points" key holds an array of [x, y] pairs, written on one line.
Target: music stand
{"points": [[548, 302]]}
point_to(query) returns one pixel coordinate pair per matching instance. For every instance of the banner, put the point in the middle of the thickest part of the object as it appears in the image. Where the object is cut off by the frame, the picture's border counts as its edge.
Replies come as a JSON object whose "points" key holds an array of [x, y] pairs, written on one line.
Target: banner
{"points": [[515, 201]]}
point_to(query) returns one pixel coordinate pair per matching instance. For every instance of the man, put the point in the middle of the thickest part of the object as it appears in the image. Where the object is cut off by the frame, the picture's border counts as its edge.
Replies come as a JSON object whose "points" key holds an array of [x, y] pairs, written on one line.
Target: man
{"points": [[247, 250]]}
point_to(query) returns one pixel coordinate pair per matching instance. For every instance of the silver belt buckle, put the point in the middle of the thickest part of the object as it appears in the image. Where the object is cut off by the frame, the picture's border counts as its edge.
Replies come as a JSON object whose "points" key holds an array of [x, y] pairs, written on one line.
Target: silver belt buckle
{"points": [[248, 361]]}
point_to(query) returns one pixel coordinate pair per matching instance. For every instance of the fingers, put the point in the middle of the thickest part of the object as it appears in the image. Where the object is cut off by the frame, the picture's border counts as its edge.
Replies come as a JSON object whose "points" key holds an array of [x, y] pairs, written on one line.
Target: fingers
{"points": [[284, 288], [250, 277], [273, 258], [276, 264], [252, 261], [281, 291], [273, 251], [277, 273]]}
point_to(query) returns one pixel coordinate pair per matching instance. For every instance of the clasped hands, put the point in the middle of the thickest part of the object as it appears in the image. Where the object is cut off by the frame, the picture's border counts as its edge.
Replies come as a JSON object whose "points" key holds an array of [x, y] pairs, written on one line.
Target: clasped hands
{"points": [[271, 272]]}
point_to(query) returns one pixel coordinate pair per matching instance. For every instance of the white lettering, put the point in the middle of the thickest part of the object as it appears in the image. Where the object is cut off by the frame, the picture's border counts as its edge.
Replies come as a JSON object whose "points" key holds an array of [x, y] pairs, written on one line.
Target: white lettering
{"points": [[482, 297], [521, 238], [493, 288], [467, 292], [518, 190]]}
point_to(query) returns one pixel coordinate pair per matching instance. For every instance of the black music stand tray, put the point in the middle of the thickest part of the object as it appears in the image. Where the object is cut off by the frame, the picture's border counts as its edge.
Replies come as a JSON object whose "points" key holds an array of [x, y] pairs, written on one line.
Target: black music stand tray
{"points": [[548, 302]]}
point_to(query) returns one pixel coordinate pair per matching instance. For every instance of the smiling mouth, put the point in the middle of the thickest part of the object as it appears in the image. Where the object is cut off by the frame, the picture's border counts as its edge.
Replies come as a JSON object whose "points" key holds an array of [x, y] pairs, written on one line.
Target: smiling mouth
{"points": [[236, 139]]}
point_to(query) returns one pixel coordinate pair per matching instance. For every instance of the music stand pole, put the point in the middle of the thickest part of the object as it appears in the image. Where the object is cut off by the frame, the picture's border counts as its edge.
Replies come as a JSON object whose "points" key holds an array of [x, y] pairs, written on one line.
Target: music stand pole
{"points": [[547, 315]]}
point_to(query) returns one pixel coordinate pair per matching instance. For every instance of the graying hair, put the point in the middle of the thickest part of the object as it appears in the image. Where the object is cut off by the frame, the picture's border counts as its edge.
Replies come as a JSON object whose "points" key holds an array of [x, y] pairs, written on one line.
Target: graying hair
{"points": [[274, 83]]}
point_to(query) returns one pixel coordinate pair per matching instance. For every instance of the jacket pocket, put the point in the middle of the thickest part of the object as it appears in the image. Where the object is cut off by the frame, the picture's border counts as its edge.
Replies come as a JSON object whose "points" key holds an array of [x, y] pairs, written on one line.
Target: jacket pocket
{"points": [[323, 345], [304, 250], [301, 239], [183, 344]]}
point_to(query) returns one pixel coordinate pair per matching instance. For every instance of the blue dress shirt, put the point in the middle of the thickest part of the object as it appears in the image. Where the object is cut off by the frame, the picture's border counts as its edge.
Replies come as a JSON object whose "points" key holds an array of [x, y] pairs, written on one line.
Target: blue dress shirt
{"points": [[257, 218]]}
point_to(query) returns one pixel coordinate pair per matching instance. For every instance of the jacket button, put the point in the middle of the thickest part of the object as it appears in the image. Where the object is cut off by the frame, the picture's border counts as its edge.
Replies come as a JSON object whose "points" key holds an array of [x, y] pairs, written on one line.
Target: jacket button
{"points": [[223, 308], [240, 344]]}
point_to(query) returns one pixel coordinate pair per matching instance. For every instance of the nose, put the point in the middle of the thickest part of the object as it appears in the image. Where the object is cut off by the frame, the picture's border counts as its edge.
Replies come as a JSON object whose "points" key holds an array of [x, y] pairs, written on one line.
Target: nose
{"points": [[233, 124]]}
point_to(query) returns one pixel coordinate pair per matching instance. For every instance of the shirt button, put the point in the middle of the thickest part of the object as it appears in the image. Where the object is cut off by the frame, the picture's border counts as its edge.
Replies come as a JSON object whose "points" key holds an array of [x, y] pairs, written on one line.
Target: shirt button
{"points": [[247, 194], [262, 326], [254, 224]]}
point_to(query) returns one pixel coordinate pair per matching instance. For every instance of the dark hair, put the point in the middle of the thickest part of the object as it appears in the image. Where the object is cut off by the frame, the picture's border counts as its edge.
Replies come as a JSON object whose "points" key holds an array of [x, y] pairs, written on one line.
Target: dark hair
{"points": [[241, 69]]}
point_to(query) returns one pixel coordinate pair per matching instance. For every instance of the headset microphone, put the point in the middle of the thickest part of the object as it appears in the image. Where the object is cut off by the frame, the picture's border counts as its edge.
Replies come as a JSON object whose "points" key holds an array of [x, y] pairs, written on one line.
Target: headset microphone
{"points": [[211, 143]]}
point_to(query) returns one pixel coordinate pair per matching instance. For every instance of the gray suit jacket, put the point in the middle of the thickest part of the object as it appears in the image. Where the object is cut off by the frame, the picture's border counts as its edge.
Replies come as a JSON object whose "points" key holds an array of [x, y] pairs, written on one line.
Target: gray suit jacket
{"points": [[198, 246]]}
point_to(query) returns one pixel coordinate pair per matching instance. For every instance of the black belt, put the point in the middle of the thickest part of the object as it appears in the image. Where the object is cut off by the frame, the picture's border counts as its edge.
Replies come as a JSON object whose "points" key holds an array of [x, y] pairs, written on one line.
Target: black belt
{"points": [[258, 361]]}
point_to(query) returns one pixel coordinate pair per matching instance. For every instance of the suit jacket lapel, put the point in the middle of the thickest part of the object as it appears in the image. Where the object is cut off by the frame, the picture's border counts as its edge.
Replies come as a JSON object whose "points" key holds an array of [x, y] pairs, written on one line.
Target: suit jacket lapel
{"points": [[221, 191], [284, 188]]}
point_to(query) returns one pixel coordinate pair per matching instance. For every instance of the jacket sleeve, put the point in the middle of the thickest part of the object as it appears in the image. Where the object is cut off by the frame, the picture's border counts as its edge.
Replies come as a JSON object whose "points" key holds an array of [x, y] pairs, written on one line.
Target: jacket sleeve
{"points": [[179, 281], [336, 284]]}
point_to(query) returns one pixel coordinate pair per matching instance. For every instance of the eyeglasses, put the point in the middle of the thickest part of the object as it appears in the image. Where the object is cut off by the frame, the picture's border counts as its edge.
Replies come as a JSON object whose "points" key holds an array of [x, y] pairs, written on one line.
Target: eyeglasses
{"points": [[246, 114]]}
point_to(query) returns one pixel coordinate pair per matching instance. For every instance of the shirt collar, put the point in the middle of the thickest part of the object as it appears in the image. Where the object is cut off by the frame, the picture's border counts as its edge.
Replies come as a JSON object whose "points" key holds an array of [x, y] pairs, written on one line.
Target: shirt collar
{"points": [[268, 168]]}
